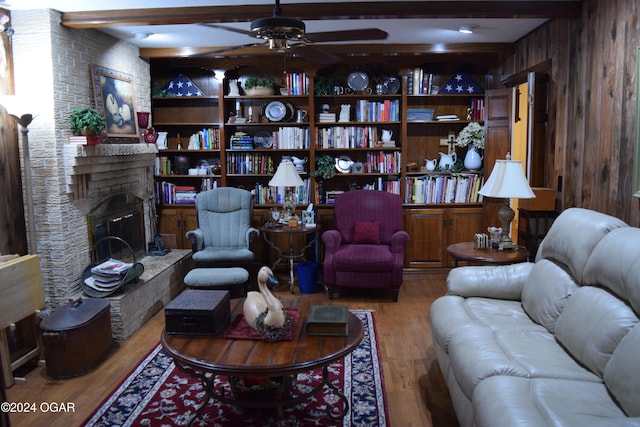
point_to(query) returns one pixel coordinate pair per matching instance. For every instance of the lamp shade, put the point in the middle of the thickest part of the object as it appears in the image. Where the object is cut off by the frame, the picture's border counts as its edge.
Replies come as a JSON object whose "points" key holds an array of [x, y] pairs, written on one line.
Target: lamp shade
{"points": [[286, 176], [507, 181]]}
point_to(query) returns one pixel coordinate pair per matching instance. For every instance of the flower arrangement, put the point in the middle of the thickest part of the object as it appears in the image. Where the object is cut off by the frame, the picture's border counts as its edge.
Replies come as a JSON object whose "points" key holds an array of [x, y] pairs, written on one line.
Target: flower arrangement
{"points": [[472, 134]]}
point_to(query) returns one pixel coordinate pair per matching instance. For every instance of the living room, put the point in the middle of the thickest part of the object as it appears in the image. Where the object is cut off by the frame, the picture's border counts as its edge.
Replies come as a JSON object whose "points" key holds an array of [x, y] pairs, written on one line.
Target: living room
{"points": [[592, 107]]}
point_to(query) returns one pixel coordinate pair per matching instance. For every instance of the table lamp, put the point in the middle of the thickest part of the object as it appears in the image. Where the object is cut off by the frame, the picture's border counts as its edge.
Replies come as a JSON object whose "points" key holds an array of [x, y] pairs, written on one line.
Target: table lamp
{"points": [[286, 176], [507, 181]]}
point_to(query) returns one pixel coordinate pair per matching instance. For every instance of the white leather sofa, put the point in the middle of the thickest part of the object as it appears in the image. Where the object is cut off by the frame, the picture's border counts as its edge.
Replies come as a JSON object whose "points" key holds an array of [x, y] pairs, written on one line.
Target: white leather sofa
{"points": [[550, 343]]}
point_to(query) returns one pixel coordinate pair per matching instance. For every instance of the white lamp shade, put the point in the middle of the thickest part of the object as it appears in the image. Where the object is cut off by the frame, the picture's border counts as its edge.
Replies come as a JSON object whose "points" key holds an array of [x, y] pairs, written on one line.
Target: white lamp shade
{"points": [[15, 105], [286, 176], [507, 181]]}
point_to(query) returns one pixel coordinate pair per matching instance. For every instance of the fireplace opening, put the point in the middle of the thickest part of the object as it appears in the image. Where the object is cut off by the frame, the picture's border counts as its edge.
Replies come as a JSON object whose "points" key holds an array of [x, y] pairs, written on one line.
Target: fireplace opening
{"points": [[120, 215]]}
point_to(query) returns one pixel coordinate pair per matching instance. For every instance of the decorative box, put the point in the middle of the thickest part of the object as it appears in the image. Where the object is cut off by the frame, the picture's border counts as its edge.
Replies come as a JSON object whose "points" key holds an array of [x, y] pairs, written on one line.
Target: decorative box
{"points": [[198, 312], [77, 337]]}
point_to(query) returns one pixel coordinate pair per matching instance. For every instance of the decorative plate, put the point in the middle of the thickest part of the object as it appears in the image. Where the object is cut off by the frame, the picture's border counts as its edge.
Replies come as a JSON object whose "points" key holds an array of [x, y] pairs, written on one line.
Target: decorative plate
{"points": [[275, 111], [391, 85], [263, 139], [358, 80], [343, 164]]}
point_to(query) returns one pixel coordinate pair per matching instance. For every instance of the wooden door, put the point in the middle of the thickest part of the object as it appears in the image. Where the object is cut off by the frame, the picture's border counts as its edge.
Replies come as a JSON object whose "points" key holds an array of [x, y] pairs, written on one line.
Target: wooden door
{"points": [[498, 119], [426, 228], [169, 226], [463, 224], [539, 170]]}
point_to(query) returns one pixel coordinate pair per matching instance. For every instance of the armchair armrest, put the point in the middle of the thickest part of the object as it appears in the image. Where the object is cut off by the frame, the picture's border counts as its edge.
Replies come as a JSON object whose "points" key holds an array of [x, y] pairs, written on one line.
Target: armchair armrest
{"points": [[196, 237], [399, 240], [332, 240], [500, 281], [252, 235]]}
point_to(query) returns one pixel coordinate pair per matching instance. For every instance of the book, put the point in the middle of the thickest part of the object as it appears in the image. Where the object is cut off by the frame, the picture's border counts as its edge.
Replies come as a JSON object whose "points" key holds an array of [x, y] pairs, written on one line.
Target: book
{"points": [[327, 320]]}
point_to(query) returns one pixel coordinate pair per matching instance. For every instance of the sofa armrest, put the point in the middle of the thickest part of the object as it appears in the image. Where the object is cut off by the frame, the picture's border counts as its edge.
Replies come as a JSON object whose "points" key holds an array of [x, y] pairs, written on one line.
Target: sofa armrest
{"points": [[196, 237], [500, 281], [332, 241]]}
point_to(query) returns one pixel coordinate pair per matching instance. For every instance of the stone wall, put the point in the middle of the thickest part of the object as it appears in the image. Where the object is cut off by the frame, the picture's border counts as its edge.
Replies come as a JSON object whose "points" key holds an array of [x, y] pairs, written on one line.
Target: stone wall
{"points": [[52, 72]]}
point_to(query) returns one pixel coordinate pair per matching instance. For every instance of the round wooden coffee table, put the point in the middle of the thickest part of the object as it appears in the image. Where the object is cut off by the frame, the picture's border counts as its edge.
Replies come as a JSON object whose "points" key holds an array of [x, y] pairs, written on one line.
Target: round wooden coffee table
{"points": [[205, 357], [465, 251]]}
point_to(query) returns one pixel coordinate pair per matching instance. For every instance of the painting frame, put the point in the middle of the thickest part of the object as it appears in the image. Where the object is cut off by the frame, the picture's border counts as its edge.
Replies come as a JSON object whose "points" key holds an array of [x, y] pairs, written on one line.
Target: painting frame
{"points": [[636, 148], [114, 96]]}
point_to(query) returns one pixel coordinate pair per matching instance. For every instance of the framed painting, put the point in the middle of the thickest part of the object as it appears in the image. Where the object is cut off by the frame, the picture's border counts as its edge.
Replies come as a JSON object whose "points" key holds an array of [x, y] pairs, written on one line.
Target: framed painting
{"points": [[636, 148], [114, 95]]}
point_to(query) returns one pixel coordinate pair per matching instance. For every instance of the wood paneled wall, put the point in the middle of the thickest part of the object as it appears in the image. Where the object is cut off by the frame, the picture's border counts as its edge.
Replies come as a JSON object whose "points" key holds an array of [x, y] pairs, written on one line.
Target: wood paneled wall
{"points": [[593, 102]]}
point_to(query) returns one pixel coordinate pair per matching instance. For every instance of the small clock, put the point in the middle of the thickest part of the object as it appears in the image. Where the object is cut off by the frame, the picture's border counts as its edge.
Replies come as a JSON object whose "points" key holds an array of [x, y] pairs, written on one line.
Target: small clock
{"points": [[275, 214]]}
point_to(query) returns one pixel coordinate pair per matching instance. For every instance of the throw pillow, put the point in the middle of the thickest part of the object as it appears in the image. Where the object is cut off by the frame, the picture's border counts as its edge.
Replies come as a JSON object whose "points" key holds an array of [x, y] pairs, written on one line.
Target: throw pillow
{"points": [[366, 232]]}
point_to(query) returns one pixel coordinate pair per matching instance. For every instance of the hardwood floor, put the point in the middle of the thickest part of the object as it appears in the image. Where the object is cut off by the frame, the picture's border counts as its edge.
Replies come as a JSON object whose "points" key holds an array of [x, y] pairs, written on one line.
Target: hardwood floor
{"points": [[415, 389]]}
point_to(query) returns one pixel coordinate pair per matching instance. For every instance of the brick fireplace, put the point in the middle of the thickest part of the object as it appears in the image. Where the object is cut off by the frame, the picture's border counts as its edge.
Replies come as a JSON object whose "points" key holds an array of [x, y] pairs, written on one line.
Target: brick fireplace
{"points": [[107, 183], [92, 176]]}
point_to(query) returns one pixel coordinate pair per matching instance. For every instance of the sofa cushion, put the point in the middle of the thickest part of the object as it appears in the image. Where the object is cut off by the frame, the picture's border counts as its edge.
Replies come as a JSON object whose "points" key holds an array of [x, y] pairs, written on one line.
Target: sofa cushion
{"points": [[451, 313], [366, 232], [573, 235], [477, 353], [546, 291], [592, 324], [622, 373], [538, 402], [615, 264]]}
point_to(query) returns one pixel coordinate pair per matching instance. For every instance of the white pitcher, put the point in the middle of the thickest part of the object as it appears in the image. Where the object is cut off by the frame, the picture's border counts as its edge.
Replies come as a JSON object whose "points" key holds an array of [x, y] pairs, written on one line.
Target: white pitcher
{"points": [[447, 161], [386, 135], [430, 165]]}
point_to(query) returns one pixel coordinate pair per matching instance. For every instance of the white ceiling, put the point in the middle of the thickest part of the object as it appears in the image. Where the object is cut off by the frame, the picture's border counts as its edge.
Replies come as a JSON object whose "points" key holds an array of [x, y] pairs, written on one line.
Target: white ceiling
{"points": [[401, 31]]}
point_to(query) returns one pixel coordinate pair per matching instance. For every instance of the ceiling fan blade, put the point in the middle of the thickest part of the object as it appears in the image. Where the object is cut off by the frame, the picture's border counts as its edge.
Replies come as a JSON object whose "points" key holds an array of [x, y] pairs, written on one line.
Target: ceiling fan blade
{"points": [[313, 54], [227, 49], [347, 35], [222, 27]]}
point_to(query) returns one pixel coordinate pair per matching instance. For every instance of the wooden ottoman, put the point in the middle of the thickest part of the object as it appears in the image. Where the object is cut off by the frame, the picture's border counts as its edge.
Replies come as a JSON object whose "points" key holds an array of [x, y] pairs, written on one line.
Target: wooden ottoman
{"points": [[232, 279]]}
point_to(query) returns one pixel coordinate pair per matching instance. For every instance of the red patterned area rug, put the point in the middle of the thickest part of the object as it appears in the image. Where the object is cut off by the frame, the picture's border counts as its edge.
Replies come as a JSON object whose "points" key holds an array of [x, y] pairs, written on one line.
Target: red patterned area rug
{"points": [[156, 393]]}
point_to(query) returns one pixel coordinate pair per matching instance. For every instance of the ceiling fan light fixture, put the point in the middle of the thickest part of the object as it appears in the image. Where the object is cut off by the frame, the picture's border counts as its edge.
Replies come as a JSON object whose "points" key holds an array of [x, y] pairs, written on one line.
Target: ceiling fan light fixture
{"points": [[467, 29], [279, 45], [277, 27]]}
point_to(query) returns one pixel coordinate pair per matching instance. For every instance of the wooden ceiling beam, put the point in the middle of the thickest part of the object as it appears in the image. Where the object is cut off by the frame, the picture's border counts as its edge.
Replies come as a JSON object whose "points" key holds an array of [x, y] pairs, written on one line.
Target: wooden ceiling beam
{"points": [[346, 50], [326, 11]]}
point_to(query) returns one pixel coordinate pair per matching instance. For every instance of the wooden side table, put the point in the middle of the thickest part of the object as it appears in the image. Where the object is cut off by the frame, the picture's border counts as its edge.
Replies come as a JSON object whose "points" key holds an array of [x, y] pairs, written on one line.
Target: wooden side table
{"points": [[465, 251], [289, 254]]}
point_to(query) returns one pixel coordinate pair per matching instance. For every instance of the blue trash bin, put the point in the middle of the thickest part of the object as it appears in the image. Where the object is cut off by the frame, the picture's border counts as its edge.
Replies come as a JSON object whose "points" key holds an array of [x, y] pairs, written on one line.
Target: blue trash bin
{"points": [[307, 277]]}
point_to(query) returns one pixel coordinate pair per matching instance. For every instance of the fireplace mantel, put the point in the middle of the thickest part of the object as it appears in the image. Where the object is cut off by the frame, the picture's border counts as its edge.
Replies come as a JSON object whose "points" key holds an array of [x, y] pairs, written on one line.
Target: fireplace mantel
{"points": [[87, 164]]}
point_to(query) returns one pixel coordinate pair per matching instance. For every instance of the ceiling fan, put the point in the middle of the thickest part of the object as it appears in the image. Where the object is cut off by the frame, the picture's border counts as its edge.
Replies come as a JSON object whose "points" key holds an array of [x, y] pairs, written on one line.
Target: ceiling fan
{"points": [[281, 33]]}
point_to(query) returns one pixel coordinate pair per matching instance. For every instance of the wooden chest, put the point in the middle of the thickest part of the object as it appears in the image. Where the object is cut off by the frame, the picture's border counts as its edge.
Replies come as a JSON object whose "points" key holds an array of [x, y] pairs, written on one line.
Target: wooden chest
{"points": [[198, 312], [77, 337]]}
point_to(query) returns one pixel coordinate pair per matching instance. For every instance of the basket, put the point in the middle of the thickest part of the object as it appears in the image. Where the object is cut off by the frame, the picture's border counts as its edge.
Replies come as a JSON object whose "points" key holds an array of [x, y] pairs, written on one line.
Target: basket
{"points": [[131, 274]]}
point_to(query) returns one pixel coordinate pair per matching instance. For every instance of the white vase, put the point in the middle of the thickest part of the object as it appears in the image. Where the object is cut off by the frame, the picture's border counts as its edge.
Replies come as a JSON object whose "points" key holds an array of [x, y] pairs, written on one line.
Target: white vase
{"points": [[473, 159]]}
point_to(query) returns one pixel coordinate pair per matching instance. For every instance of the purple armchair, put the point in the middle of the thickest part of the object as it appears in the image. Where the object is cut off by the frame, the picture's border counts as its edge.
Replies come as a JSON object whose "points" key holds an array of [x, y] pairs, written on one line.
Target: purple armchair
{"points": [[366, 250]]}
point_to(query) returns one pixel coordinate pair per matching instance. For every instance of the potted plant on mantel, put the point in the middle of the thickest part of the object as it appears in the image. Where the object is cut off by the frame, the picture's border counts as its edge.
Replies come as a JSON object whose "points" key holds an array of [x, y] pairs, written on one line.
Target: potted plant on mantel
{"points": [[87, 125], [258, 86]]}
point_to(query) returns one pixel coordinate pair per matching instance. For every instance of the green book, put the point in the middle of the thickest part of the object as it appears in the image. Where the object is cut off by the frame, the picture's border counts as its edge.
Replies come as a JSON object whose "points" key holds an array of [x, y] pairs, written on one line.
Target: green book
{"points": [[328, 320]]}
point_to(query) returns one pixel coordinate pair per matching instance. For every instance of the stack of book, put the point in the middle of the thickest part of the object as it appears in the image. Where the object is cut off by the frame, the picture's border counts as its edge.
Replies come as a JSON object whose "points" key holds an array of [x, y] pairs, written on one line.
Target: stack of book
{"points": [[327, 117], [445, 117], [107, 276], [185, 194], [244, 142]]}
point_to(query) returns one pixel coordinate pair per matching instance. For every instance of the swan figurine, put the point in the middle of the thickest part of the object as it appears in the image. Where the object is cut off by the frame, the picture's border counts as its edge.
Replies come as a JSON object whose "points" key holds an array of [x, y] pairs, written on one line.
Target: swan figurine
{"points": [[263, 311]]}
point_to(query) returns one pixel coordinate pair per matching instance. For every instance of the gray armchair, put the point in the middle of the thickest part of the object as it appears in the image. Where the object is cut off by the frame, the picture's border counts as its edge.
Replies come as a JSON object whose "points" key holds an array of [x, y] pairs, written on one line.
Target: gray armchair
{"points": [[224, 236]]}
